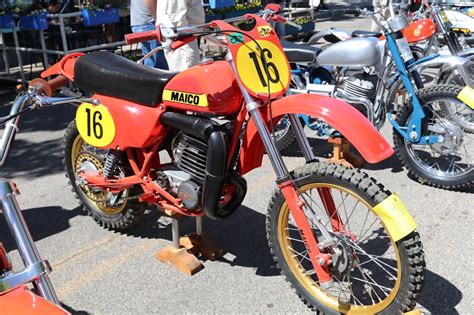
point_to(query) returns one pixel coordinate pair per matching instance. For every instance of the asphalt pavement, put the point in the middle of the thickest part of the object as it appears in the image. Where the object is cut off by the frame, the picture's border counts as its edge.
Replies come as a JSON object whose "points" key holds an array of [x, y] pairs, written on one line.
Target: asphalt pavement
{"points": [[102, 272]]}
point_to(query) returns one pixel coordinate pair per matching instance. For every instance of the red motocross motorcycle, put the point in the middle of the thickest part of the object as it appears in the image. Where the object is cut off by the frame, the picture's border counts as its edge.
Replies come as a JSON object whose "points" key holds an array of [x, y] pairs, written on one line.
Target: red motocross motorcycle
{"points": [[183, 141]]}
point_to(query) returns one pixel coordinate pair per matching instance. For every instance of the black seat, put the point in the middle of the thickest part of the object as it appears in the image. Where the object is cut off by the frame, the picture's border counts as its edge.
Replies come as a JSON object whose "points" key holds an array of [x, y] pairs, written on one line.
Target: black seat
{"points": [[299, 52], [107, 74], [361, 33]]}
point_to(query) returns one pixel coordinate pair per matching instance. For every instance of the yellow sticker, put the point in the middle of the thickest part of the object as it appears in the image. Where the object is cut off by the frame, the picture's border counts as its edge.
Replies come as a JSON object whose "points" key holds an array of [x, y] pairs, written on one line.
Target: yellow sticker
{"points": [[467, 96], [258, 77], [417, 32], [185, 98], [95, 124], [395, 217], [264, 31]]}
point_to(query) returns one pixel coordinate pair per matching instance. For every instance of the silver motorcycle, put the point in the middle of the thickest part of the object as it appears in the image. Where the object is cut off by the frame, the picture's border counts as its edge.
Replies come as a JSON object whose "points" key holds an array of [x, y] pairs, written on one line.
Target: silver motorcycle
{"points": [[363, 72]]}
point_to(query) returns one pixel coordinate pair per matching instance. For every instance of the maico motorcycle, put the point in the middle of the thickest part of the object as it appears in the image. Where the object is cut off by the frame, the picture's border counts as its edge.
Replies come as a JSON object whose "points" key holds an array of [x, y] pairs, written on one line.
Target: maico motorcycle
{"points": [[345, 243]]}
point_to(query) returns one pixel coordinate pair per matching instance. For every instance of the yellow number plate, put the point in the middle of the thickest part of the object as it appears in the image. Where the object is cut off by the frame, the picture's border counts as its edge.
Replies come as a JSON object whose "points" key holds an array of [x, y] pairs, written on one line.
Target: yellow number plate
{"points": [[260, 78], [95, 124], [395, 217], [467, 96]]}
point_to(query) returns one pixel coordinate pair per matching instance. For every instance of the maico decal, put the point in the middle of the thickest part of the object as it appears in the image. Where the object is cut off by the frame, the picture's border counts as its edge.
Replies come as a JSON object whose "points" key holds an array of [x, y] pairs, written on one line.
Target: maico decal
{"points": [[185, 98]]}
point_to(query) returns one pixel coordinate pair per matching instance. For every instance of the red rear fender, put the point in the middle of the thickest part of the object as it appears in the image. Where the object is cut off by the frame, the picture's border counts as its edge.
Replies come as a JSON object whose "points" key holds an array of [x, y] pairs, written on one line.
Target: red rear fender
{"points": [[64, 67], [340, 115]]}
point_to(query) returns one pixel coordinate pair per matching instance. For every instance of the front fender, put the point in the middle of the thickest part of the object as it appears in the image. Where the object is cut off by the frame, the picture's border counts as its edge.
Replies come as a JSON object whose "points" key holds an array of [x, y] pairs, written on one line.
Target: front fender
{"points": [[340, 115], [447, 63]]}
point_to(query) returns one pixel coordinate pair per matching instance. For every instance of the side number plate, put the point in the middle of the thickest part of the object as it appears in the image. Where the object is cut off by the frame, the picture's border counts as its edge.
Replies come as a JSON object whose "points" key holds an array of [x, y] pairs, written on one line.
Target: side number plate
{"points": [[95, 124]]}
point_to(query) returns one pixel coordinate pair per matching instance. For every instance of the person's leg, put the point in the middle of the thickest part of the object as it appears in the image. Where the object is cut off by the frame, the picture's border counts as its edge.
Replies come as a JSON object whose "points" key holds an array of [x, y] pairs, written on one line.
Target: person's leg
{"points": [[157, 60], [183, 13]]}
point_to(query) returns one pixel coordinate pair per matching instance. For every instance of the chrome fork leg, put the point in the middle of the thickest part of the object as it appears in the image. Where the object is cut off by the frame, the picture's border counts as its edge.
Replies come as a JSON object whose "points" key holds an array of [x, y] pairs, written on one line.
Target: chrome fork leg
{"points": [[26, 246], [303, 142], [273, 153]]}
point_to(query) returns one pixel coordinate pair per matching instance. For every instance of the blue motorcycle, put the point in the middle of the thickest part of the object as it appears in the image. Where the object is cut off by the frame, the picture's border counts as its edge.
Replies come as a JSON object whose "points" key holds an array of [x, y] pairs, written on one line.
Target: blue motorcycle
{"points": [[372, 75]]}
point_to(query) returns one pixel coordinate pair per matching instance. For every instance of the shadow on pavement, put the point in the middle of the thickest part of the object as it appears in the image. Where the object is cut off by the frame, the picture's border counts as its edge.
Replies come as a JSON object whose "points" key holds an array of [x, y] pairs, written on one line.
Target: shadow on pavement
{"points": [[243, 235], [42, 222], [73, 311], [34, 159], [439, 296]]}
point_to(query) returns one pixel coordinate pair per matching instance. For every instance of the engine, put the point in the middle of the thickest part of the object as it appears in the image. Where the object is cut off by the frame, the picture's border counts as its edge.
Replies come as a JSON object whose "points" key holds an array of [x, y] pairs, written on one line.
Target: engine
{"points": [[199, 175], [361, 85], [186, 177]]}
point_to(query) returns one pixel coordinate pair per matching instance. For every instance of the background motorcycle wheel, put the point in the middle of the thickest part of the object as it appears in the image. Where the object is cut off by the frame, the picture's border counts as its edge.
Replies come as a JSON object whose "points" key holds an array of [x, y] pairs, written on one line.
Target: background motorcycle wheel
{"points": [[127, 212], [448, 165], [381, 276], [284, 135], [466, 120]]}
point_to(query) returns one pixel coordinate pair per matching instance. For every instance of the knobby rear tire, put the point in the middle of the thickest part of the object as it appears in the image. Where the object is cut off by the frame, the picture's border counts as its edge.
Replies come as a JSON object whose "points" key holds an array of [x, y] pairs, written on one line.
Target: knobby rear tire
{"points": [[133, 211]]}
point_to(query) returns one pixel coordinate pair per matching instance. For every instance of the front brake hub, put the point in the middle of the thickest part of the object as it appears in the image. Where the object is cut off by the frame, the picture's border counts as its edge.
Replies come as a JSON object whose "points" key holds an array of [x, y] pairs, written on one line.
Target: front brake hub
{"points": [[452, 134], [342, 261]]}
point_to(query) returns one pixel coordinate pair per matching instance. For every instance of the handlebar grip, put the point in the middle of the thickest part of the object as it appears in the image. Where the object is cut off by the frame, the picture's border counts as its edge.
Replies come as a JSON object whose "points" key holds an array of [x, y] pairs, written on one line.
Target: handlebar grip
{"points": [[142, 37], [48, 87]]}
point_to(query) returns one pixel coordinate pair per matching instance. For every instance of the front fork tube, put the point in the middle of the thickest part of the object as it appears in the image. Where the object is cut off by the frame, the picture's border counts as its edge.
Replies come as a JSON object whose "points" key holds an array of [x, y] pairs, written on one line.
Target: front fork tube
{"points": [[319, 260], [285, 183], [328, 202], [413, 133], [301, 138], [36, 269]]}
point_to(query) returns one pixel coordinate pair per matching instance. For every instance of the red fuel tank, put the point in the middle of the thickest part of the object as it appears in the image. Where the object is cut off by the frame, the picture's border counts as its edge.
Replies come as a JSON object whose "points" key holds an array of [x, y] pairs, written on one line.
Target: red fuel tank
{"points": [[419, 30], [209, 87]]}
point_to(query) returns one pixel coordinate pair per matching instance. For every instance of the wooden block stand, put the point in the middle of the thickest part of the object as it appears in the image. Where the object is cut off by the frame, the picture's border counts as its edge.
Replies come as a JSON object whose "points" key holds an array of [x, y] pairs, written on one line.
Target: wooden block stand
{"points": [[342, 153], [182, 254]]}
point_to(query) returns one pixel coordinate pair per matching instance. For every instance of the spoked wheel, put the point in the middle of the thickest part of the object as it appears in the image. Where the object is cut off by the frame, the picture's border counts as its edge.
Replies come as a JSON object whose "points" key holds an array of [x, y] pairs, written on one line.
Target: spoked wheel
{"points": [[465, 116], [450, 163], [118, 211], [372, 272]]}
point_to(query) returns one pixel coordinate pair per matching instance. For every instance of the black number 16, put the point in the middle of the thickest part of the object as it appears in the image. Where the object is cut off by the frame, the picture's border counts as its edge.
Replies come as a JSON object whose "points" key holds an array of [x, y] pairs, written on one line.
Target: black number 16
{"points": [[266, 66], [93, 124]]}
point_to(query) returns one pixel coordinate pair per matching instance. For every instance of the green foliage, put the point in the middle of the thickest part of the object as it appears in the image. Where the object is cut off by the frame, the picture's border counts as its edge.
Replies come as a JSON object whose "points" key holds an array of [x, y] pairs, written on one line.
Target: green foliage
{"points": [[239, 6], [303, 19], [98, 5]]}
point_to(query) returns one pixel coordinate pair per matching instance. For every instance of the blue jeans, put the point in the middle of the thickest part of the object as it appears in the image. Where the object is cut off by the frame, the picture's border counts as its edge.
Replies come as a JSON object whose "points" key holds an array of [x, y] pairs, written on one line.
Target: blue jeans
{"points": [[157, 60]]}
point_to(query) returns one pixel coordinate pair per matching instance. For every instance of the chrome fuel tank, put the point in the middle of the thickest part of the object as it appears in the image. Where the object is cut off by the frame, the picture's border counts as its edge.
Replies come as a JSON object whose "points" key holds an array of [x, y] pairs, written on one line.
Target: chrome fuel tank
{"points": [[356, 52]]}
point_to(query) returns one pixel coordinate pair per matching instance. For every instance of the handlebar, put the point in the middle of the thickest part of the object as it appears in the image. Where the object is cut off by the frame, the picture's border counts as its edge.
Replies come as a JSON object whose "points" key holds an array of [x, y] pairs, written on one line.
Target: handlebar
{"points": [[183, 35], [136, 38]]}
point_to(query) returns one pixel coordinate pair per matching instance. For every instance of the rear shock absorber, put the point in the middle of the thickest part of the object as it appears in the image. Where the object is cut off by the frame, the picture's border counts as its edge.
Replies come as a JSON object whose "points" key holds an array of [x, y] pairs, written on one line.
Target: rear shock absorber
{"points": [[110, 163]]}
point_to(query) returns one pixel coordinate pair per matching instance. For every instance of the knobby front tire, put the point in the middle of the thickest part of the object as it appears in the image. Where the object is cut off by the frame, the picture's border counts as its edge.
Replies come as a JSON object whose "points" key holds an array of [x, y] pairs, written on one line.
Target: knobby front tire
{"points": [[400, 277]]}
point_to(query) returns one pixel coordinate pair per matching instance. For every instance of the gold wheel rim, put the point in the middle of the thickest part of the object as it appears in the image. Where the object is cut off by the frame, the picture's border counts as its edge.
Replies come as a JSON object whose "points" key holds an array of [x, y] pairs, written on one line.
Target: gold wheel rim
{"points": [[77, 148], [305, 279]]}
